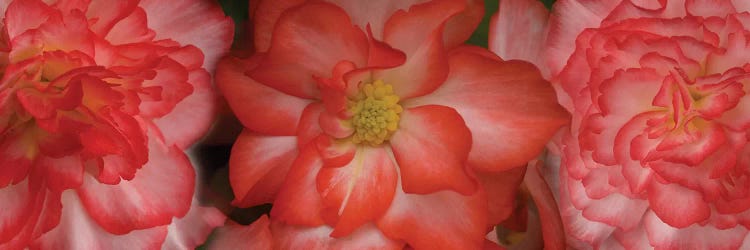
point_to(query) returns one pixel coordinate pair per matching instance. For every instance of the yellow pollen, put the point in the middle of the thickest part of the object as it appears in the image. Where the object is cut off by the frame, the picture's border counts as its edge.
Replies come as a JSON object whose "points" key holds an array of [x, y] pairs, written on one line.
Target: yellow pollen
{"points": [[375, 112]]}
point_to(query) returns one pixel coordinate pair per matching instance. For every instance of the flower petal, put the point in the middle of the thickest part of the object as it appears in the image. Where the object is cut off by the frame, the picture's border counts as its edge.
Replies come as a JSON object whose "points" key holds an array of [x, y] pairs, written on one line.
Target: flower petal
{"points": [[552, 227], [693, 208], [502, 189], [192, 116], [161, 189], [317, 238], [175, 20], [308, 42], [431, 146], [511, 96], [298, 202], [77, 230], [258, 165], [359, 192], [192, 230], [236, 236], [518, 30], [440, 220], [663, 236]]}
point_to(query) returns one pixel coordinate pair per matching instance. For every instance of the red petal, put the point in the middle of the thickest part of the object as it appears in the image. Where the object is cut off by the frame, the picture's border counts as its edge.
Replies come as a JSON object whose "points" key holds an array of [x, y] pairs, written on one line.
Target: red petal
{"points": [[77, 230], [131, 29], [431, 146], [175, 20], [17, 152], [269, 112], [308, 42], [692, 209], [518, 31], [62, 173], [512, 96], [298, 202], [374, 13], [501, 188], [441, 220], [234, 236], [359, 192], [107, 14], [425, 67], [460, 27], [192, 230], [258, 165], [161, 189], [21, 16], [317, 238], [265, 17]]}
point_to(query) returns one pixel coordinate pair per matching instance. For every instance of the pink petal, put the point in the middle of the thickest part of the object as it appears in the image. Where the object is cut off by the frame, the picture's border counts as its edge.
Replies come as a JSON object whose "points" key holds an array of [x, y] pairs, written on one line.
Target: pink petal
{"points": [[175, 20], [553, 233], [161, 189], [663, 236], [693, 208], [77, 230], [518, 30], [192, 230]]}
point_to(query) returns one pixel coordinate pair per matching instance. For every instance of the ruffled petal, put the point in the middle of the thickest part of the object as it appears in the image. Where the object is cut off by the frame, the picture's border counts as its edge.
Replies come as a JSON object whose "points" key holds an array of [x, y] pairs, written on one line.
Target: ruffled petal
{"points": [[424, 221], [192, 116], [77, 230], [692, 208], [19, 209], [265, 17], [161, 189], [308, 42], [431, 146], [512, 96], [175, 20], [518, 30], [374, 14], [258, 165], [317, 238], [663, 236], [359, 192], [259, 107]]}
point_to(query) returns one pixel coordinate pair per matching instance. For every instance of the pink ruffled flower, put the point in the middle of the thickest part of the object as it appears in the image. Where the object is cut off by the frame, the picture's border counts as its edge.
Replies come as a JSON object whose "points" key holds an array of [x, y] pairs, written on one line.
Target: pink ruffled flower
{"points": [[98, 100], [657, 155], [370, 125]]}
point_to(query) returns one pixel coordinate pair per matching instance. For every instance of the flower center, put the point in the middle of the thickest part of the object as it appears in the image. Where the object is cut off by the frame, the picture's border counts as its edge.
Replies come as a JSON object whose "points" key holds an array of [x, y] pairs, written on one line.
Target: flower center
{"points": [[375, 112]]}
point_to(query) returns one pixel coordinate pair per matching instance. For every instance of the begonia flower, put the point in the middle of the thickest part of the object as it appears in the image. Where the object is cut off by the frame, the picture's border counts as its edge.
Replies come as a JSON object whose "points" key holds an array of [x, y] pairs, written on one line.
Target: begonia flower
{"points": [[657, 152], [98, 100], [370, 125]]}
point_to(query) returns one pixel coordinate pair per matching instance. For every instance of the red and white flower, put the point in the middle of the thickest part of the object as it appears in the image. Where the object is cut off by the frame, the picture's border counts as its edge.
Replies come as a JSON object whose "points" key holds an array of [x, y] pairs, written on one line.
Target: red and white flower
{"points": [[368, 124], [98, 100], [657, 152]]}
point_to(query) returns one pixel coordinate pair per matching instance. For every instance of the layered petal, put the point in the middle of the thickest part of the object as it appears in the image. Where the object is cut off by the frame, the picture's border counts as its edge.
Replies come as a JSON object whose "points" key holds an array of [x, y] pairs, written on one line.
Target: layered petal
{"points": [[270, 111], [192, 230], [212, 33], [295, 237], [162, 189], [308, 42], [234, 236], [258, 165], [518, 31]]}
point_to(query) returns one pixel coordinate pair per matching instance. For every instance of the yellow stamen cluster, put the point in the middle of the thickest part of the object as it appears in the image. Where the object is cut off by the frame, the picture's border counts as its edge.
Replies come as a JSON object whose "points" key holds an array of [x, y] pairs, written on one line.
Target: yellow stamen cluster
{"points": [[375, 112]]}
